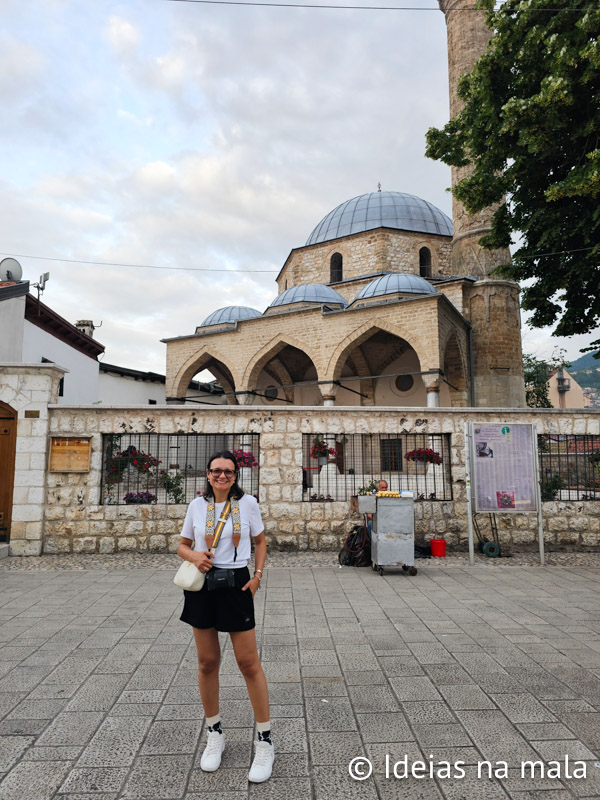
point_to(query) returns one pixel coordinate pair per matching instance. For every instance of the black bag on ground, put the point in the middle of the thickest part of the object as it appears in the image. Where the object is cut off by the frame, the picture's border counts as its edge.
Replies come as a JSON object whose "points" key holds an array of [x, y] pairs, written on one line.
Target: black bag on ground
{"points": [[356, 551], [422, 550]]}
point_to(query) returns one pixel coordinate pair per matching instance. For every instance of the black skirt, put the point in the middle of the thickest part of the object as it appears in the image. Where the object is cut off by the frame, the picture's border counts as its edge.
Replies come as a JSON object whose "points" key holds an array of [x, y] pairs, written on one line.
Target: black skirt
{"points": [[227, 610]]}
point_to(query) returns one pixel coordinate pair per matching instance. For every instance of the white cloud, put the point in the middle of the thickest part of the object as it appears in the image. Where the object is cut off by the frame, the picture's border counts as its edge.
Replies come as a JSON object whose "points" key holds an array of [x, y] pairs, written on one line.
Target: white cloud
{"points": [[122, 35], [20, 65]]}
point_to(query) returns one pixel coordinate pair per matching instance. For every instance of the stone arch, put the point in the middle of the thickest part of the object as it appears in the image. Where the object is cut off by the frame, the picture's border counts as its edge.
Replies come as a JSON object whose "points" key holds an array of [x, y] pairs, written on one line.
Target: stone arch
{"points": [[455, 370], [268, 353], [364, 332], [207, 359]]}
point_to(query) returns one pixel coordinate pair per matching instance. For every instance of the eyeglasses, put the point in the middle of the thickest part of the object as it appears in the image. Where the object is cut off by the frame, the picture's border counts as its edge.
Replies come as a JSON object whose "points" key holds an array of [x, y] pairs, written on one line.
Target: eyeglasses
{"points": [[229, 473]]}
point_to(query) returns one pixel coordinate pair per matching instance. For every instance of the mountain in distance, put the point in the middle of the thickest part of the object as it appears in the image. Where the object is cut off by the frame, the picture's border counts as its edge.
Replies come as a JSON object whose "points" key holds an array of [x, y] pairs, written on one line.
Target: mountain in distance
{"points": [[586, 371]]}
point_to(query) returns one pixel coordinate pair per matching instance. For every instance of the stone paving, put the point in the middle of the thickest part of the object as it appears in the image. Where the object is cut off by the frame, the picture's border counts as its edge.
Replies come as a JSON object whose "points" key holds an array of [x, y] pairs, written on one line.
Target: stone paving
{"points": [[458, 664]]}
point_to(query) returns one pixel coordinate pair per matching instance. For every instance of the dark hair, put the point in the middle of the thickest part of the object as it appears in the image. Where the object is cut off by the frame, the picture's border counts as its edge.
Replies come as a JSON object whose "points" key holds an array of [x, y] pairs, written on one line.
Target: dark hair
{"points": [[236, 490]]}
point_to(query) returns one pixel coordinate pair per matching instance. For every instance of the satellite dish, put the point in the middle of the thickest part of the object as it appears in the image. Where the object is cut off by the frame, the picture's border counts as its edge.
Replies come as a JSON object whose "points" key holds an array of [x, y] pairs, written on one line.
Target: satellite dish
{"points": [[10, 270]]}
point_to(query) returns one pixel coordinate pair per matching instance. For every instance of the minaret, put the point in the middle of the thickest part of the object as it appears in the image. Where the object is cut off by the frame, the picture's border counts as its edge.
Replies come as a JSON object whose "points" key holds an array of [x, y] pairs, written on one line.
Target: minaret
{"points": [[468, 38], [491, 305]]}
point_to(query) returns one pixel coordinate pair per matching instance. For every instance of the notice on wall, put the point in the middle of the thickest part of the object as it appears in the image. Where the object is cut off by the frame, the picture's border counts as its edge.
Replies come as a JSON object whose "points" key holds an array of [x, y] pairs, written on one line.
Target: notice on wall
{"points": [[503, 468], [69, 454]]}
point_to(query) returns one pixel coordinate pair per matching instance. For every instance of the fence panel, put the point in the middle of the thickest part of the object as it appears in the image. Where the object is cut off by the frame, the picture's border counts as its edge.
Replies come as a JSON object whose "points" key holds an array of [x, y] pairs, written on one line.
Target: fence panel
{"points": [[569, 466], [170, 468], [337, 466]]}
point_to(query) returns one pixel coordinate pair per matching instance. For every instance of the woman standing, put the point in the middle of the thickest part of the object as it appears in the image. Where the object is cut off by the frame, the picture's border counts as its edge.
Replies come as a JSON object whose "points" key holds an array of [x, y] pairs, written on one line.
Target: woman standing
{"points": [[229, 609]]}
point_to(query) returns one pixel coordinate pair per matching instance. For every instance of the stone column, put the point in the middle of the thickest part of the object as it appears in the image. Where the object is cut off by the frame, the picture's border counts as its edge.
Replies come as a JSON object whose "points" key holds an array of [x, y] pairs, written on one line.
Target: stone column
{"points": [[432, 387], [468, 38], [328, 393]]}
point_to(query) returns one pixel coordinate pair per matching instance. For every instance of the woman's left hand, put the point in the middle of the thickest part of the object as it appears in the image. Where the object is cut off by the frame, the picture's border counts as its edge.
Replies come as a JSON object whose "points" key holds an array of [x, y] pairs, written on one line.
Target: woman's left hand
{"points": [[252, 584]]}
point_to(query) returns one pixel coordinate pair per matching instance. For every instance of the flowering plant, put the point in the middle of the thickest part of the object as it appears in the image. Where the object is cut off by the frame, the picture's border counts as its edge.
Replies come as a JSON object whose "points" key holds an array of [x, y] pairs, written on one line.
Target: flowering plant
{"points": [[424, 454], [245, 458], [137, 498], [117, 463], [320, 449]]}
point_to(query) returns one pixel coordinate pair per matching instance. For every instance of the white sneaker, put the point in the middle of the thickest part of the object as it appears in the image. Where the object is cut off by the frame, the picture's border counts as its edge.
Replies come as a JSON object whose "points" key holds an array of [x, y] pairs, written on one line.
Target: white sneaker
{"points": [[211, 757], [262, 766]]}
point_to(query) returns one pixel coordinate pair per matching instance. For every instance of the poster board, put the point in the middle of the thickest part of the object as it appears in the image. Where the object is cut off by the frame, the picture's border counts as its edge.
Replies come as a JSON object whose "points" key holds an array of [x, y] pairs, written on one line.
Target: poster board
{"points": [[504, 468], [69, 454]]}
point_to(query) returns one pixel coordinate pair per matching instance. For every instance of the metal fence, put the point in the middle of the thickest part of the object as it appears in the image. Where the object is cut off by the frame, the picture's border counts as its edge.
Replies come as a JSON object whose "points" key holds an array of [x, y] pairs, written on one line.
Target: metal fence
{"points": [[569, 466], [169, 469], [338, 466]]}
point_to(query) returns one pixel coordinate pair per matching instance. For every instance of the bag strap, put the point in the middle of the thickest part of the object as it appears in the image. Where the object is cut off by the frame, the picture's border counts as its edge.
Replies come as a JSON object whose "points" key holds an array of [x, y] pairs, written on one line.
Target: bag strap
{"points": [[212, 539]]}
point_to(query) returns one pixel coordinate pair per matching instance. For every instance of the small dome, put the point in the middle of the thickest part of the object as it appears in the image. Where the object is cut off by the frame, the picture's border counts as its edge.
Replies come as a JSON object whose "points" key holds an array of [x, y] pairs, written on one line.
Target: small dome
{"points": [[381, 210], [230, 314], [309, 293], [395, 283]]}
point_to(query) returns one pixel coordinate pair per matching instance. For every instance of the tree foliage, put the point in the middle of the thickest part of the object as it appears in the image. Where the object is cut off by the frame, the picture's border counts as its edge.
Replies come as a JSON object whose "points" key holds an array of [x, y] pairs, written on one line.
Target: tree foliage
{"points": [[530, 126]]}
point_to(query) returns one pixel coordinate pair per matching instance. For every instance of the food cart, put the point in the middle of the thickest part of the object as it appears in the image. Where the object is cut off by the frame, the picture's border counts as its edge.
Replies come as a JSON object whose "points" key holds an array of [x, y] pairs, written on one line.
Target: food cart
{"points": [[393, 531]]}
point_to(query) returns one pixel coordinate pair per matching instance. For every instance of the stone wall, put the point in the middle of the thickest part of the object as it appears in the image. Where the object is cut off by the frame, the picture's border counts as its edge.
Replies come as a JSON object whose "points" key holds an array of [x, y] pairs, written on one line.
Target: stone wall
{"points": [[28, 389], [74, 519]]}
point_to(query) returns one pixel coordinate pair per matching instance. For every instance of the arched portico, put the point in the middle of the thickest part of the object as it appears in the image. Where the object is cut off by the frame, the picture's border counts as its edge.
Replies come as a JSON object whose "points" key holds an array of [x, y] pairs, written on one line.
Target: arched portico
{"points": [[277, 369], [214, 362], [455, 371], [382, 350]]}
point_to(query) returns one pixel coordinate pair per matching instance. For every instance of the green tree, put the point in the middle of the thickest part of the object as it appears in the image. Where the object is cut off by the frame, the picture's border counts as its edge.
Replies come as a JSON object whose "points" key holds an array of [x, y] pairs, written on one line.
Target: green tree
{"points": [[530, 126], [536, 373]]}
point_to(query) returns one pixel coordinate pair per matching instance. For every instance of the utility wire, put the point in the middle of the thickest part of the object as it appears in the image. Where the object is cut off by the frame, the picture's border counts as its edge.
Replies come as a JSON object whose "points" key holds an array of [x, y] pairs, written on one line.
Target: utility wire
{"points": [[139, 266], [247, 271]]}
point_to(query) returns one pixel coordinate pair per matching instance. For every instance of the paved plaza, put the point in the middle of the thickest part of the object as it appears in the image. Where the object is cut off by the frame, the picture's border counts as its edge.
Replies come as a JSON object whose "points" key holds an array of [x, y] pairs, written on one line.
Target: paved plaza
{"points": [[459, 664]]}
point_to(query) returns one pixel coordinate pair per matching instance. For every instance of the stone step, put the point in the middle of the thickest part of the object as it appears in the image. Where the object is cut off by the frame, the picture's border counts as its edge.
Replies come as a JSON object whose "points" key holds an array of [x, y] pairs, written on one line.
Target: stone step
{"points": [[3, 550]]}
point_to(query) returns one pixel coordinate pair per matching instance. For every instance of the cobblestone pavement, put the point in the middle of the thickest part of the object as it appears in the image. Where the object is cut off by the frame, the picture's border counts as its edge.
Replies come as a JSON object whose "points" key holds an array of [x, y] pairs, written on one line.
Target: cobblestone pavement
{"points": [[307, 558], [499, 662]]}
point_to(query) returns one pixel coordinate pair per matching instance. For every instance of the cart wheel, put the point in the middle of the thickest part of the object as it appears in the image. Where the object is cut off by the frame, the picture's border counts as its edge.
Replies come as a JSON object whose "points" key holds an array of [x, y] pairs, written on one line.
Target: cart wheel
{"points": [[380, 570], [491, 550], [412, 570], [373, 566], [405, 567]]}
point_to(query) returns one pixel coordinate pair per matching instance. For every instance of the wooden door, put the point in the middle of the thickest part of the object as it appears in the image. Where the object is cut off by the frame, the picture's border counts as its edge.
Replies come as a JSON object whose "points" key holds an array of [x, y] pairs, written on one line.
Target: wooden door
{"points": [[8, 443]]}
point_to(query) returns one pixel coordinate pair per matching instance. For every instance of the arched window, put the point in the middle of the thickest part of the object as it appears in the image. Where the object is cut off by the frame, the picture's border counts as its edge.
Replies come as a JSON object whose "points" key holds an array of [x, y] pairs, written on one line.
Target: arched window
{"points": [[335, 268], [425, 262]]}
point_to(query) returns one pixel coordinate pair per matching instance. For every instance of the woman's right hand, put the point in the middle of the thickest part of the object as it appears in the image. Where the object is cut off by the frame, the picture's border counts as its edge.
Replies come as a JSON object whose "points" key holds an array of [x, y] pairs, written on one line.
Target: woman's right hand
{"points": [[203, 560]]}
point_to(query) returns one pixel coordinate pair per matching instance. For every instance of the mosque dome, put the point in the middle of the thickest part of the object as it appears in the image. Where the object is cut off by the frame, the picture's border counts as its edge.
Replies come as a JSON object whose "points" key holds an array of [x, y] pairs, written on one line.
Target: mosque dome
{"points": [[396, 283], [381, 210], [309, 293], [230, 314]]}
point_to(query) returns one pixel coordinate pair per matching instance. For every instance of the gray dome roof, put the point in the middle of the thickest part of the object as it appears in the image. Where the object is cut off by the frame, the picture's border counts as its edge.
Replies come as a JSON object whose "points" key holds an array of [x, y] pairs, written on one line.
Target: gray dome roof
{"points": [[230, 314], [381, 210], [395, 282], [309, 293]]}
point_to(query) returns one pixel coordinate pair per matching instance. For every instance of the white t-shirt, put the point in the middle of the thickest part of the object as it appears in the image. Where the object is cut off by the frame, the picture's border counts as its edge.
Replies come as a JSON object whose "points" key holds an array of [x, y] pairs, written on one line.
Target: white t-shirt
{"points": [[194, 527]]}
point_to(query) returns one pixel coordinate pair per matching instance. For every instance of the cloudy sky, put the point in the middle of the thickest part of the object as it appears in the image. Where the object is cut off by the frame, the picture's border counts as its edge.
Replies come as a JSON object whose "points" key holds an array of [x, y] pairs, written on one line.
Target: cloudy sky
{"points": [[203, 137]]}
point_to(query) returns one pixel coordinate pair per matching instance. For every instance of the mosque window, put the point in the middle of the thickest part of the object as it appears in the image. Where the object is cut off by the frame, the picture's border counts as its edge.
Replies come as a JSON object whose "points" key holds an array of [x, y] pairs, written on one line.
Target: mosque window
{"points": [[404, 383], [425, 262], [335, 268]]}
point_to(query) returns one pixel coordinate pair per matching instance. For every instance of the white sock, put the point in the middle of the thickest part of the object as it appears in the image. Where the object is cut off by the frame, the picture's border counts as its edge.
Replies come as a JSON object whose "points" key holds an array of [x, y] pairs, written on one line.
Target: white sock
{"points": [[264, 731], [212, 721]]}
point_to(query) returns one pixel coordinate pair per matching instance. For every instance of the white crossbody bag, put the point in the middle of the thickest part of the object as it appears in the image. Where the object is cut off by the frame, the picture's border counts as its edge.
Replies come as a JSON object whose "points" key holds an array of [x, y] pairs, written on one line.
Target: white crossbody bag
{"points": [[188, 576]]}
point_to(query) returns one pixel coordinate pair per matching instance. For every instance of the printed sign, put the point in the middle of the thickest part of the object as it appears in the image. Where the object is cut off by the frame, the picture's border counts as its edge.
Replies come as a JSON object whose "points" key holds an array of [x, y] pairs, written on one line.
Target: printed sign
{"points": [[503, 468]]}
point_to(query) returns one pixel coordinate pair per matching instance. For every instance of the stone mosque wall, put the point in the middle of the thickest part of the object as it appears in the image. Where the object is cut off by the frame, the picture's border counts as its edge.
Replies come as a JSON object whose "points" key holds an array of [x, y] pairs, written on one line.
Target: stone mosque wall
{"points": [[71, 517], [365, 253]]}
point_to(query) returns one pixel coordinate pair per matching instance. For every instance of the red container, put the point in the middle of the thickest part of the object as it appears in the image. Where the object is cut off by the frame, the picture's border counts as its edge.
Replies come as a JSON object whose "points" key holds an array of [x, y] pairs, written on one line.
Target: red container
{"points": [[438, 547]]}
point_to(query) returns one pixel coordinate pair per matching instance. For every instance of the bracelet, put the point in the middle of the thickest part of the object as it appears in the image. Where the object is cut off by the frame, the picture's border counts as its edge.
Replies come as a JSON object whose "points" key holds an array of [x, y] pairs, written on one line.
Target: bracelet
{"points": [[258, 570], [257, 576]]}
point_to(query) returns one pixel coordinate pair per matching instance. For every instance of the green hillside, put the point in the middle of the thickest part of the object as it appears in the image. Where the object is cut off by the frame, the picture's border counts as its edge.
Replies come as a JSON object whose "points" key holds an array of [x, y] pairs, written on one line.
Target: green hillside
{"points": [[586, 371]]}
